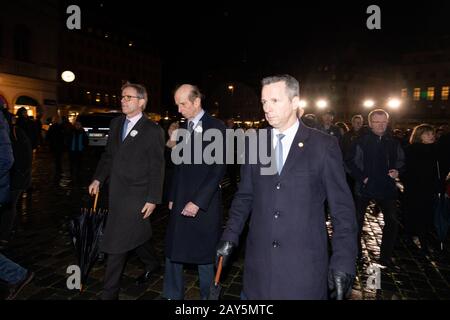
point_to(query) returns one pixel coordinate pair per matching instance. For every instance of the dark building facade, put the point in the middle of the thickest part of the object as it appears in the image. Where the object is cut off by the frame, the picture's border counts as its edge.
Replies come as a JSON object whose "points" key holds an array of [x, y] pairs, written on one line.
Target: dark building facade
{"points": [[425, 85], [103, 58]]}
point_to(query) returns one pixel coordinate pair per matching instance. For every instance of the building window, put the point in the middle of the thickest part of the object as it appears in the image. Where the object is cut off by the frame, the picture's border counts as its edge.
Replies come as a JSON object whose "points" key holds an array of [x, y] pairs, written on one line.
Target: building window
{"points": [[22, 43], [416, 94], [430, 93], [444, 93], [404, 93]]}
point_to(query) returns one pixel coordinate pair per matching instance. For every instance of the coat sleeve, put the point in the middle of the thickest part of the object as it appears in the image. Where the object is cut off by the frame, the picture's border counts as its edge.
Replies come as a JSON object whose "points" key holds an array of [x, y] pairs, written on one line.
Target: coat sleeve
{"points": [[342, 211], [354, 161], [241, 206], [400, 164], [6, 153], [156, 167], [210, 183], [103, 170]]}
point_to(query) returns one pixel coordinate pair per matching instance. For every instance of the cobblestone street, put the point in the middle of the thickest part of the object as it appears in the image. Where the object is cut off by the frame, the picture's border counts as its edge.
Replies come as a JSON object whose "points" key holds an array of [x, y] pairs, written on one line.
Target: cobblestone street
{"points": [[42, 244]]}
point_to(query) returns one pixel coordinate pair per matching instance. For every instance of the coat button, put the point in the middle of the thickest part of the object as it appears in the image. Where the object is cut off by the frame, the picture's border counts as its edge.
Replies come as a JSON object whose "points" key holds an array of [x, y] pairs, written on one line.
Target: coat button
{"points": [[276, 244], [278, 186], [276, 215]]}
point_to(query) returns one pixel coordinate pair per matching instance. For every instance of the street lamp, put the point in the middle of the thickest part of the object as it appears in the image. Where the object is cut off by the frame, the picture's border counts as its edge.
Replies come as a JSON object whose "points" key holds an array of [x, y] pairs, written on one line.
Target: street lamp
{"points": [[369, 103], [303, 103], [68, 76], [321, 104], [394, 103]]}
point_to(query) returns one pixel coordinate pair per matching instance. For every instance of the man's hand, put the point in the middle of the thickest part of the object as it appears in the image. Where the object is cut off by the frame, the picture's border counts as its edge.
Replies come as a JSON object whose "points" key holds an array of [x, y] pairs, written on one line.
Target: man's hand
{"points": [[170, 205], [148, 209], [365, 180], [224, 249], [190, 210], [94, 187], [393, 173], [340, 284]]}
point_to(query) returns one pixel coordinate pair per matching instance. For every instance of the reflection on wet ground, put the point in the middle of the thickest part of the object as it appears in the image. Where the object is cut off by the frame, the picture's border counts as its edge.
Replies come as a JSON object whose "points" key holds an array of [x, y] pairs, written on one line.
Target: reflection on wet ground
{"points": [[42, 244]]}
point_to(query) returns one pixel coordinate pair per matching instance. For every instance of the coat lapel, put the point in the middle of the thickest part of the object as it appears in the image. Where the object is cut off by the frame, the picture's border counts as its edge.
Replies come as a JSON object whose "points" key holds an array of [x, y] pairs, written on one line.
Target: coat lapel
{"points": [[137, 127], [297, 149]]}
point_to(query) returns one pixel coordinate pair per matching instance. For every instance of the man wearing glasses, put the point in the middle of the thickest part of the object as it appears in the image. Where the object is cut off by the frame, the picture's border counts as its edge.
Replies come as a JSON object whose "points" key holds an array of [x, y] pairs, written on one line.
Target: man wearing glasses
{"points": [[134, 164]]}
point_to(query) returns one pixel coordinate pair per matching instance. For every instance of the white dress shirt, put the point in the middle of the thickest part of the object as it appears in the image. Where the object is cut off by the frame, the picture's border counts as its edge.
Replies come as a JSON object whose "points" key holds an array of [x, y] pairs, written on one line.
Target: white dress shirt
{"points": [[289, 135], [133, 122], [197, 118]]}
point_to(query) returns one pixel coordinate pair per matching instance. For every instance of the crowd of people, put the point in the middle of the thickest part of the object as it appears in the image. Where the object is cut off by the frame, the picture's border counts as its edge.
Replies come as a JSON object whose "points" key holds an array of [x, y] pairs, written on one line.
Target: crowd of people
{"points": [[324, 171]]}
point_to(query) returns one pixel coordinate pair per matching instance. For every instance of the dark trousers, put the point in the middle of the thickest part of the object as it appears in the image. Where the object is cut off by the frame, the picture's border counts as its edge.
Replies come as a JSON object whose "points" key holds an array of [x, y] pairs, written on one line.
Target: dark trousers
{"points": [[389, 209], [8, 215], [115, 264], [174, 280]]}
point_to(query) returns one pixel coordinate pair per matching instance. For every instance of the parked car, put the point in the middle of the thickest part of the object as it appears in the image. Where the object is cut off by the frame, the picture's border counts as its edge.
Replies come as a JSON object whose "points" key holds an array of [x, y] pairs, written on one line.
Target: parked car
{"points": [[96, 126]]}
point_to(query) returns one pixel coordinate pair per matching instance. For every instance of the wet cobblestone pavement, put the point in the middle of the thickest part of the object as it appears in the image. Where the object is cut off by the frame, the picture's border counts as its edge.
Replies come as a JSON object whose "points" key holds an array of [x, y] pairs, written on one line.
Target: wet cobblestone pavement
{"points": [[42, 244]]}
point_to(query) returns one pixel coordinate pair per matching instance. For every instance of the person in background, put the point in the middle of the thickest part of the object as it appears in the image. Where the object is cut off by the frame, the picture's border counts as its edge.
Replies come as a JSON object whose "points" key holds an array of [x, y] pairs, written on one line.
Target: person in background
{"points": [[422, 183], [78, 142], [375, 161]]}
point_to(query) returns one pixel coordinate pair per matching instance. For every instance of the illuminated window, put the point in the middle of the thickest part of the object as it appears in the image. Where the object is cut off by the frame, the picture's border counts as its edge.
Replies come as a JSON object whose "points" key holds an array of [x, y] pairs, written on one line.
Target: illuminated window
{"points": [[416, 94], [444, 93], [404, 93], [430, 93]]}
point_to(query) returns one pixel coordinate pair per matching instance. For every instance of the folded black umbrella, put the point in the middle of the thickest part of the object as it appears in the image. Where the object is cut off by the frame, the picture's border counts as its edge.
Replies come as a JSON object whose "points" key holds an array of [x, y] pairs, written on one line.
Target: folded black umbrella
{"points": [[87, 230], [215, 288]]}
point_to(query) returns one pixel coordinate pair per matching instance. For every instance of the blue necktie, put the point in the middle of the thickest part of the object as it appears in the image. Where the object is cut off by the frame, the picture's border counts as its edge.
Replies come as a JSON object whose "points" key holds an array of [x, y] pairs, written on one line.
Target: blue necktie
{"points": [[279, 152], [125, 128], [191, 126]]}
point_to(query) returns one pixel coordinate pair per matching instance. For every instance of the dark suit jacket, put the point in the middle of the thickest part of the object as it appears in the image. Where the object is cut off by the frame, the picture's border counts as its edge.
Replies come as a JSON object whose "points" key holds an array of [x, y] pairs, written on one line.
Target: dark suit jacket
{"points": [[194, 240], [135, 168], [287, 249]]}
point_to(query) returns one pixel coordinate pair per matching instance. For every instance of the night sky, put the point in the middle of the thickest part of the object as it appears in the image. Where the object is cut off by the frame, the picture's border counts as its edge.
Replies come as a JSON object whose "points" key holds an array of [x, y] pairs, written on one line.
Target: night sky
{"points": [[194, 38]]}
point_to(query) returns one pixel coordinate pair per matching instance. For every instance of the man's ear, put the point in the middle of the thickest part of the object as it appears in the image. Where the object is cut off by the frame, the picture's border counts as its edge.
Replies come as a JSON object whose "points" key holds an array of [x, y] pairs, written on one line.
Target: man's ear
{"points": [[197, 102], [296, 106], [142, 104]]}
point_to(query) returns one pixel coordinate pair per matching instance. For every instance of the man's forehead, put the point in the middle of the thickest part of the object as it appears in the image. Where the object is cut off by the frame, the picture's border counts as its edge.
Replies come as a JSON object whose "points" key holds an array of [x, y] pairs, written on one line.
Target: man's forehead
{"points": [[129, 90], [379, 116], [274, 89]]}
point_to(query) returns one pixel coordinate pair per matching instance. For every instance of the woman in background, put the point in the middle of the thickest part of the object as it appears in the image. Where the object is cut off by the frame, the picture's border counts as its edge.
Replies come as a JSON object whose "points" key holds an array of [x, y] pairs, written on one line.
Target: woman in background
{"points": [[421, 184]]}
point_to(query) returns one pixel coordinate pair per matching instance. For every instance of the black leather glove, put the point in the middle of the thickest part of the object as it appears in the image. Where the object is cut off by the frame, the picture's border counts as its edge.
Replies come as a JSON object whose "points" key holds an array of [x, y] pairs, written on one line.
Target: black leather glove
{"points": [[340, 284], [224, 249]]}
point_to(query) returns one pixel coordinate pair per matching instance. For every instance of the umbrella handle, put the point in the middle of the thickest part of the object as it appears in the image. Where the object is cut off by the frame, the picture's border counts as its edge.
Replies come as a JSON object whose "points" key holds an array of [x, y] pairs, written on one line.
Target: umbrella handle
{"points": [[95, 201], [219, 270]]}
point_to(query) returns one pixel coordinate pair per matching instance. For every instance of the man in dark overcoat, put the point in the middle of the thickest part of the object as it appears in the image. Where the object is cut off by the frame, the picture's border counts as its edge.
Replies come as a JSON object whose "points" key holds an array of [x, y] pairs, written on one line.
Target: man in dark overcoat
{"points": [[287, 254], [134, 163], [195, 201]]}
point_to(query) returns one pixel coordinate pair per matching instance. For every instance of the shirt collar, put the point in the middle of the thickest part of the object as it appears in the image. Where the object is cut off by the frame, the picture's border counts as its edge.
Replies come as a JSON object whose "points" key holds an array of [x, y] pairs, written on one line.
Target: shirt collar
{"points": [[135, 119], [198, 117], [289, 133]]}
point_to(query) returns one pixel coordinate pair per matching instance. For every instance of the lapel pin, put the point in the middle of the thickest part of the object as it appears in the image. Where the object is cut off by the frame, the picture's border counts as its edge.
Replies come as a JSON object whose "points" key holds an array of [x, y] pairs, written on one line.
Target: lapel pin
{"points": [[300, 144]]}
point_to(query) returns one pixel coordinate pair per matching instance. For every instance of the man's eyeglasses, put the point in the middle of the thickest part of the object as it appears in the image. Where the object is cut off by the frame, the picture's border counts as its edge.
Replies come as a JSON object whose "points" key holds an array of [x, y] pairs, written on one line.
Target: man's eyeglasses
{"points": [[128, 98]]}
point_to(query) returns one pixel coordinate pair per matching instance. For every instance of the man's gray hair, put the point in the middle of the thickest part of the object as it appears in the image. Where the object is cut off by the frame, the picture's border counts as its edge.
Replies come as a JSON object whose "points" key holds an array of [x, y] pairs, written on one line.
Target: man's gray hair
{"points": [[292, 85], [358, 116]]}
